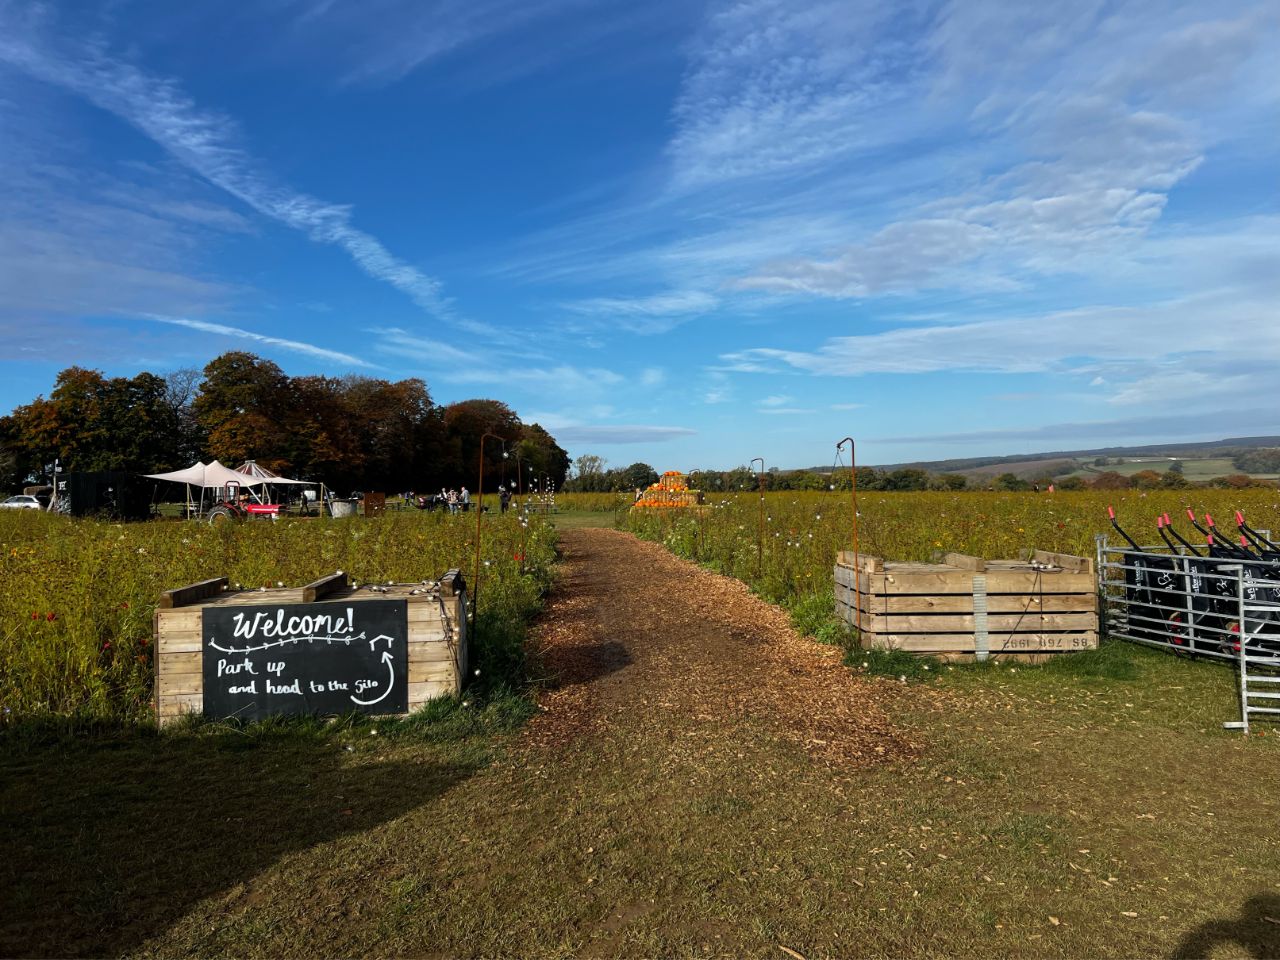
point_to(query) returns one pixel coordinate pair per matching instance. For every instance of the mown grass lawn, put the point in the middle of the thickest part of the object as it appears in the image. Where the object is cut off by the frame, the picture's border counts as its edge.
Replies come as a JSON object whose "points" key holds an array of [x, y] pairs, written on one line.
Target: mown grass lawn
{"points": [[1095, 810]]}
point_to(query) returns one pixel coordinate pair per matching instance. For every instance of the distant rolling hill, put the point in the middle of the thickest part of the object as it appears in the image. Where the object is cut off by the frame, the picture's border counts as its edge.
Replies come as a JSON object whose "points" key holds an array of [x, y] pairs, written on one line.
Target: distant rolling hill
{"points": [[1202, 460], [1053, 463]]}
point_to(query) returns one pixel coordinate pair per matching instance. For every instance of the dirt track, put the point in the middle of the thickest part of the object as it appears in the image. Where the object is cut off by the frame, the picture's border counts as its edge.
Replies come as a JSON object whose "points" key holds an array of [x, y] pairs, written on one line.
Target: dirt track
{"points": [[633, 631]]}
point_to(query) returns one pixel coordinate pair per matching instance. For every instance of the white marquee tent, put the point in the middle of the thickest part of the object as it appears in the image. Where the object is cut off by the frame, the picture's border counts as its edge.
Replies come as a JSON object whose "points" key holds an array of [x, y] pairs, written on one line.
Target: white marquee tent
{"points": [[259, 474], [208, 475]]}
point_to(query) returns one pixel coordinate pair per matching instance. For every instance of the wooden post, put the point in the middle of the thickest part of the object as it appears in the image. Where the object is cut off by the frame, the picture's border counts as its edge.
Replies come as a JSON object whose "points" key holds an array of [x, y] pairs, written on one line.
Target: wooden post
{"points": [[193, 593], [321, 588]]}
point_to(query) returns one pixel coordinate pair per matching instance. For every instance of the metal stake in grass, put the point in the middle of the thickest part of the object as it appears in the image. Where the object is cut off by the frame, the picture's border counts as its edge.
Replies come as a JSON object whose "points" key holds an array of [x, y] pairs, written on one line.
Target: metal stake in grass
{"points": [[760, 525], [475, 582], [853, 504], [524, 520]]}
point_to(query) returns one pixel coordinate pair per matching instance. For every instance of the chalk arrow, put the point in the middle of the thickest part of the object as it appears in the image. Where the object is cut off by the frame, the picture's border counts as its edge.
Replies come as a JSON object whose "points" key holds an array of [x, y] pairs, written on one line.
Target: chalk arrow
{"points": [[387, 659]]}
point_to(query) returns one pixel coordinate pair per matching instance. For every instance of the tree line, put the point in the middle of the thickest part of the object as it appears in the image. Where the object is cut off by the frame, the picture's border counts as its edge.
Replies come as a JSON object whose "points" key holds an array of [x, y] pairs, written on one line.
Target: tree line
{"points": [[592, 475], [351, 432]]}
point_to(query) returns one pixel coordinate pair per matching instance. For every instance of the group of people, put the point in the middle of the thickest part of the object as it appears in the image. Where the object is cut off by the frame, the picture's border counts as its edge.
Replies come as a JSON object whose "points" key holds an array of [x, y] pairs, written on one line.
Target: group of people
{"points": [[455, 501]]}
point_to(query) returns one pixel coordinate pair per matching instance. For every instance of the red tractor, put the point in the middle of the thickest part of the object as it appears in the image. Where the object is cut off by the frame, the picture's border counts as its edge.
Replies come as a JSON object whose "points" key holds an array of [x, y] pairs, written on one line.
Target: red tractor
{"points": [[238, 505]]}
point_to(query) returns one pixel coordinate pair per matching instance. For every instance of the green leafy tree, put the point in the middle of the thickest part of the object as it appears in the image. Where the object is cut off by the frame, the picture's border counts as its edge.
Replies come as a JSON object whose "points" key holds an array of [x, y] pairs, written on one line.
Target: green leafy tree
{"points": [[1010, 482], [465, 424], [638, 476], [244, 408], [1110, 480], [539, 453], [90, 422], [907, 478]]}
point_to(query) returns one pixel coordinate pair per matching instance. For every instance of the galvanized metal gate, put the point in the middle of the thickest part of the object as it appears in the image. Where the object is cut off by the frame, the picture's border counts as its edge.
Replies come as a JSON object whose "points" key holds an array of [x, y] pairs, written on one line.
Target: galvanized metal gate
{"points": [[1202, 606], [1258, 609]]}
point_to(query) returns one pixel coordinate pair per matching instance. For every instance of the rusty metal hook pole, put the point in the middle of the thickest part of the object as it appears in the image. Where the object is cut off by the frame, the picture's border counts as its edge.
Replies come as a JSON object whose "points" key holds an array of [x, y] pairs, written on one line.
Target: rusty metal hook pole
{"points": [[523, 520], [853, 495], [475, 582], [760, 525]]}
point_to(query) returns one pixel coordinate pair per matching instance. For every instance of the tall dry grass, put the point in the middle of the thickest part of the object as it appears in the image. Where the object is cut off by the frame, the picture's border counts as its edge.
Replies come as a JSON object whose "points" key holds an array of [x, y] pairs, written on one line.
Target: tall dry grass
{"points": [[77, 596]]}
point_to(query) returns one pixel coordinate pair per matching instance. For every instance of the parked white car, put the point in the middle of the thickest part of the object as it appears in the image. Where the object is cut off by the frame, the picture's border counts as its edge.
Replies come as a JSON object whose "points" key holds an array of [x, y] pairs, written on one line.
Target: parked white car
{"points": [[22, 501]]}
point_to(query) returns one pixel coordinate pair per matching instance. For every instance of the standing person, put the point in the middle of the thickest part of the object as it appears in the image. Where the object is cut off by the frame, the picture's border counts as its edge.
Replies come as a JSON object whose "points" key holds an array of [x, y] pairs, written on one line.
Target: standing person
{"points": [[453, 501], [466, 499], [504, 498]]}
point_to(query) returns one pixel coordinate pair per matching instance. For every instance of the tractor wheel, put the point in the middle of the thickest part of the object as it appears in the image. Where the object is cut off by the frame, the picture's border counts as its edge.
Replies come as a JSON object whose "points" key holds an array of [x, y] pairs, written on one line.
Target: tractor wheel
{"points": [[219, 515]]}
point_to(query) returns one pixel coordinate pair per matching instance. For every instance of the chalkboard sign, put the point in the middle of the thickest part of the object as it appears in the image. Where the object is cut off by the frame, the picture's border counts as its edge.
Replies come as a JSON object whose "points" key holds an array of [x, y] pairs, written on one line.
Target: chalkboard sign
{"points": [[305, 658]]}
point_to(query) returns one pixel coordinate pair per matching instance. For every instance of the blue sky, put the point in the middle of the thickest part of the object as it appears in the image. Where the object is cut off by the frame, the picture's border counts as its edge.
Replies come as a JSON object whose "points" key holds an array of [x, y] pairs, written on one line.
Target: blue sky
{"points": [[677, 232]]}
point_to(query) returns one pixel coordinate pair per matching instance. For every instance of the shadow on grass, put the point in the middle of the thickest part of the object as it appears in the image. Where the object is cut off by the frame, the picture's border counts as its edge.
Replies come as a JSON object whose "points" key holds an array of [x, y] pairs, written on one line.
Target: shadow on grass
{"points": [[108, 843], [1256, 929]]}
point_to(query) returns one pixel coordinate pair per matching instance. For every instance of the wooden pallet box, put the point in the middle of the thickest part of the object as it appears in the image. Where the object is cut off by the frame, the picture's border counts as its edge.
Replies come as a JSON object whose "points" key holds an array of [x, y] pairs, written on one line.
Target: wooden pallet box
{"points": [[415, 635], [1046, 603]]}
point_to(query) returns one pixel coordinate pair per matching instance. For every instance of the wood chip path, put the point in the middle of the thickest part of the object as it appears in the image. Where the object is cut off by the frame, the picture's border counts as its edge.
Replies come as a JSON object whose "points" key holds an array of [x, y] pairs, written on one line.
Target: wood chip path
{"points": [[634, 632]]}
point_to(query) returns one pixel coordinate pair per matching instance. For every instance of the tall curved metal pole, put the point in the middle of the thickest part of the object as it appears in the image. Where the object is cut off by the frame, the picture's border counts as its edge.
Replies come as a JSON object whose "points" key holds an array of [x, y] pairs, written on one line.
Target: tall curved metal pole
{"points": [[853, 495], [760, 524], [519, 497], [475, 581]]}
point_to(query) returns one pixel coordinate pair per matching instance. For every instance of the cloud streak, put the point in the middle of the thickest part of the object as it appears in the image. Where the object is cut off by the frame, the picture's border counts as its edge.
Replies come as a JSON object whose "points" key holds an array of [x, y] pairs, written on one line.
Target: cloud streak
{"points": [[206, 142], [293, 346], [622, 434]]}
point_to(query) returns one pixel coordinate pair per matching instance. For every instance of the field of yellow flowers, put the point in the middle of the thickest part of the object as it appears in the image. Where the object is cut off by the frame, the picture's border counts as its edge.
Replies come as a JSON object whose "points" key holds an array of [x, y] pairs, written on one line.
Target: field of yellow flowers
{"points": [[77, 596], [804, 531]]}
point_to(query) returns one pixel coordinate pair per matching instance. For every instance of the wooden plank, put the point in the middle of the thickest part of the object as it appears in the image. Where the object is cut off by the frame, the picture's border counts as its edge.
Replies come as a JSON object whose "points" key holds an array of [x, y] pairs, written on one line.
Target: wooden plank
{"points": [[428, 692], [433, 673], [178, 632], [999, 643], [423, 691], [425, 612], [319, 589], [452, 583], [432, 653], [963, 561], [962, 623], [178, 704], [1066, 561], [192, 593], [866, 562], [179, 621], [961, 582], [179, 683], [171, 663], [963, 602], [180, 643], [272, 595], [998, 581]]}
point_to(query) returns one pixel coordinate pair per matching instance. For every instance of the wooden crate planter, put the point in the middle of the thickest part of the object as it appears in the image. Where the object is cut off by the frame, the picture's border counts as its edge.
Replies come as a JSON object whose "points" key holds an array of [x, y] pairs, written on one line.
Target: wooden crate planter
{"points": [[1044, 604], [327, 647]]}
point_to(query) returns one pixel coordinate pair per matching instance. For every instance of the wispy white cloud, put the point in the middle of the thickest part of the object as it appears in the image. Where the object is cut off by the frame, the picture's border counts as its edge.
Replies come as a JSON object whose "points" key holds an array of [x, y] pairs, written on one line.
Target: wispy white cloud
{"points": [[206, 142], [293, 346], [436, 352], [1177, 349], [652, 314], [562, 377], [777, 87], [621, 434]]}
